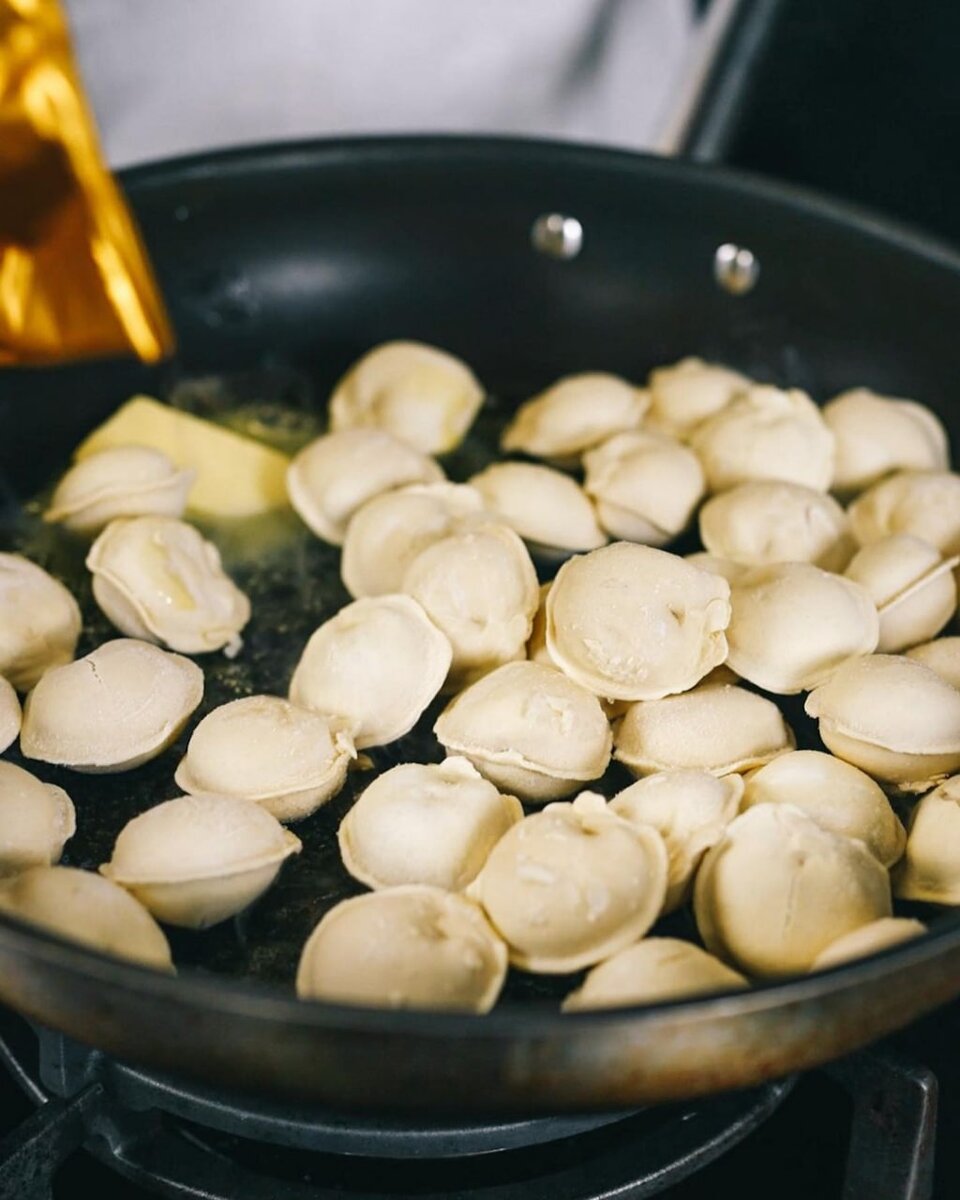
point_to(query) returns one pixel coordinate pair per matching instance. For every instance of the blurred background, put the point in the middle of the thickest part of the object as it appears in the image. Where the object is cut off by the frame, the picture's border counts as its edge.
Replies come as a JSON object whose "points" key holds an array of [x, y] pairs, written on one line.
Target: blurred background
{"points": [[860, 98]]}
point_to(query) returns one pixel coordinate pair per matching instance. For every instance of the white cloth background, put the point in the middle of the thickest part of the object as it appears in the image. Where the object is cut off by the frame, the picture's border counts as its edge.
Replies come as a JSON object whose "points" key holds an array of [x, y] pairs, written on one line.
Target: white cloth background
{"points": [[170, 77]]}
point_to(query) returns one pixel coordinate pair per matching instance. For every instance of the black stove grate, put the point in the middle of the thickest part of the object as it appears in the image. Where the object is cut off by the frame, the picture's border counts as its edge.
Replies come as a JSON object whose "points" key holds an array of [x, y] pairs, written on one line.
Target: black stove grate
{"points": [[182, 1141]]}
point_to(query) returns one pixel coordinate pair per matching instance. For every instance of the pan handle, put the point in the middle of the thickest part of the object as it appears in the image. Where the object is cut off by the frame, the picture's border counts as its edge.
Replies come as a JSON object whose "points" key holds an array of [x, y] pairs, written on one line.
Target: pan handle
{"points": [[719, 81]]}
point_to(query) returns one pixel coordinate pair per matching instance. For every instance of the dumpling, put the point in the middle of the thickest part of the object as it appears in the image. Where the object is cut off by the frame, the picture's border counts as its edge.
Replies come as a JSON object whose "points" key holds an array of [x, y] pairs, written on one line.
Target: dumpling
{"points": [[869, 939], [777, 889], [766, 433], [793, 625], [159, 579], [892, 717], [529, 729], [10, 715], [930, 868], [431, 823], [652, 970], [122, 481], [332, 477], [839, 797], [925, 504], [86, 908], [404, 947], [375, 666], [112, 710], [646, 486], [574, 414], [630, 622], [912, 587], [416, 392], [719, 728], [389, 531], [39, 622], [876, 435], [690, 810], [686, 393], [480, 589], [548, 509], [36, 820], [196, 860], [942, 656], [572, 884], [288, 759], [772, 521]]}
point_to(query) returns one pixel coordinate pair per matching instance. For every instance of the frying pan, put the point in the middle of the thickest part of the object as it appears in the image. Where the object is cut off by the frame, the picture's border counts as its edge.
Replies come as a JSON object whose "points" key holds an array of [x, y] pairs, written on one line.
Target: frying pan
{"points": [[281, 264]]}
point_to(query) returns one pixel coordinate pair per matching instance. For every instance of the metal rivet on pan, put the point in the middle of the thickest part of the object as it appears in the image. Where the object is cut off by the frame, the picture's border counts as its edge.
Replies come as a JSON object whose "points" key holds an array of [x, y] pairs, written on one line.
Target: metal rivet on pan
{"points": [[557, 236], [735, 269]]}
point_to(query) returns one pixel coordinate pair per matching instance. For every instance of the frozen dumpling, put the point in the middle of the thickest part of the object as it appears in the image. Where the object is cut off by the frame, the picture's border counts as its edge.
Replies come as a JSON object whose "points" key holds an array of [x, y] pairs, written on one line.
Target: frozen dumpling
{"points": [[876, 435], [766, 433], [10, 715], [375, 666], [416, 392], [36, 820], [646, 486], [262, 748], [925, 504], [159, 579], [869, 939], [530, 730], [481, 590], [122, 481], [39, 622], [690, 810], [634, 623], [912, 587], [942, 656], [196, 860], [389, 531], [686, 393], [839, 797], [572, 884], [772, 521], [548, 509], [719, 728], [892, 717], [430, 823], [793, 625], [654, 969], [112, 710], [404, 947], [930, 868], [333, 476], [86, 908], [777, 889], [574, 414]]}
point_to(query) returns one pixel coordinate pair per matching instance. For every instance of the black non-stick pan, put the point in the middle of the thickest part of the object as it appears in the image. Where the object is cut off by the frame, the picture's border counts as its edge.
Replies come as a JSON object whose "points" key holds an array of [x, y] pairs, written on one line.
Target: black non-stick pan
{"points": [[281, 265]]}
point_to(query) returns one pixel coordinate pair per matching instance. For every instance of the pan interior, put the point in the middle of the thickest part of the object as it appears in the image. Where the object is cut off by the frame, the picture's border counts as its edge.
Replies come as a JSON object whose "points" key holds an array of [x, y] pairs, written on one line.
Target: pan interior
{"points": [[280, 270]]}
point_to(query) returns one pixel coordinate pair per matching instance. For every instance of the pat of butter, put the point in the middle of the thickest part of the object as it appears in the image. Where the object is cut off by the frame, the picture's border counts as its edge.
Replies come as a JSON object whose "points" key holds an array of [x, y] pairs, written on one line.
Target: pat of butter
{"points": [[236, 477]]}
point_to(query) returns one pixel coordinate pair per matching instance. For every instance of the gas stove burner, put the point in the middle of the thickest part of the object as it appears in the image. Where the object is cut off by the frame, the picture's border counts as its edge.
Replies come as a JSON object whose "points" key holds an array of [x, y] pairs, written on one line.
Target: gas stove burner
{"points": [[181, 1140], [184, 1141]]}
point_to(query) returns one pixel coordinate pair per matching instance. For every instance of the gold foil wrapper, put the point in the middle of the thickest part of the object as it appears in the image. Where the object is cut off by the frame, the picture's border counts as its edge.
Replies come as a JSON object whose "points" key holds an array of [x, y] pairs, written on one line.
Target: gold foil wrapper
{"points": [[75, 281]]}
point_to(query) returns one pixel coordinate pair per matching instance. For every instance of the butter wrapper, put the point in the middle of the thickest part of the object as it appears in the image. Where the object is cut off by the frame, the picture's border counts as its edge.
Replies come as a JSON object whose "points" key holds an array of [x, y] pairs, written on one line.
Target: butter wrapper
{"points": [[75, 281]]}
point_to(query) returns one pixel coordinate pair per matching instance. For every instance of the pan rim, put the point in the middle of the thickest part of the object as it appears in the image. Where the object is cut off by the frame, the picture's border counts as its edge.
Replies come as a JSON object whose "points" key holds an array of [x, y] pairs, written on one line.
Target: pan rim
{"points": [[456, 149], [250, 999], [269, 1002]]}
